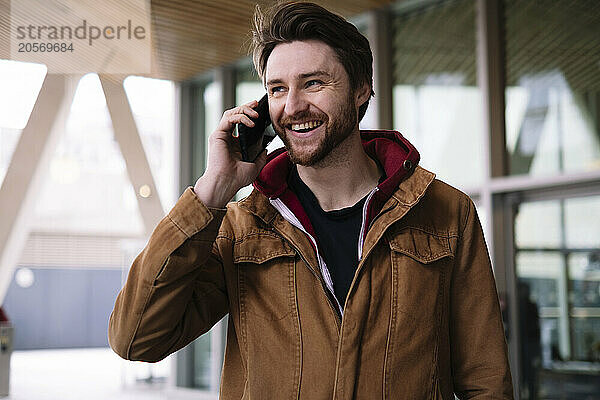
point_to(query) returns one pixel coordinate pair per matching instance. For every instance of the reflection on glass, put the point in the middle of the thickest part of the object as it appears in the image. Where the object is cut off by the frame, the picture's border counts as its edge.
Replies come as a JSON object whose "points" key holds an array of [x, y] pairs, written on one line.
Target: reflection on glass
{"points": [[437, 104], [538, 225], [559, 298], [540, 271], [579, 230], [553, 90], [584, 274]]}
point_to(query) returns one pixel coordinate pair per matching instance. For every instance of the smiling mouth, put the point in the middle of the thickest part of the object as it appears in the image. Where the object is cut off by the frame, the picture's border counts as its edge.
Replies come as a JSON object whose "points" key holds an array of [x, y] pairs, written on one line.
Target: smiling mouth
{"points": [[305, 126]]}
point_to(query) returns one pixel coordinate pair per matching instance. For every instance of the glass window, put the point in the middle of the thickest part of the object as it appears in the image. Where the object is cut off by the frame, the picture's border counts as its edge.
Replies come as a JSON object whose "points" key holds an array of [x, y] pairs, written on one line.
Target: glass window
{"points": [[558, 270], [88, 189], [201, 364], [86, 228], [540, 271], [483, 217], [212, 106], [538, 225], [553, 90], [580, 231], [21, 83], [153, 106], [584, 297], [437, 104]]}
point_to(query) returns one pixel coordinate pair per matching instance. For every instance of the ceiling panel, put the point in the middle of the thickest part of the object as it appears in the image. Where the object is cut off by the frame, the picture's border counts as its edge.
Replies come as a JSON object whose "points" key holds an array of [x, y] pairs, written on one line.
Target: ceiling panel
{"points": [[192, 37]]}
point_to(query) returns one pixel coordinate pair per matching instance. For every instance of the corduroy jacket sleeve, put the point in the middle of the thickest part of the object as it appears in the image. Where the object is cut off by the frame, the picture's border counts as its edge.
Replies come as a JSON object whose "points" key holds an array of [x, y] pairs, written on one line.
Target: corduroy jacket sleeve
{"points": [[175, 290], [478, 347]]}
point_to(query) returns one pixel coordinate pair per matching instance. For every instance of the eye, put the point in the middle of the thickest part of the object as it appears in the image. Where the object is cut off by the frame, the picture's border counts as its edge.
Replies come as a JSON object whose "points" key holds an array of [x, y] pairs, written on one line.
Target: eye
{"points": [[313, 82], [276, 89]]}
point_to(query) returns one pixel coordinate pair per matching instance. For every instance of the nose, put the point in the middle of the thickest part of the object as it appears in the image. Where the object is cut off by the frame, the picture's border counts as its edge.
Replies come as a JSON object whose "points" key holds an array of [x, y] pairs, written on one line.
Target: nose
{"points": [[295, 102]]}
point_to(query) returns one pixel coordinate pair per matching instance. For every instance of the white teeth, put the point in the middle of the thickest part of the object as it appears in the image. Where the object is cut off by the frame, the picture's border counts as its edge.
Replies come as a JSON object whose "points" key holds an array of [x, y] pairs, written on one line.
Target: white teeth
{"points": [[306, 125]]}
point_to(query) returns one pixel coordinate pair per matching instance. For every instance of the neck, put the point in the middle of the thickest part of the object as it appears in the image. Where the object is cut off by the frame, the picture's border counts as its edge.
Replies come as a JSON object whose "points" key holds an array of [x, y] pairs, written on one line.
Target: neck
{"points": [[342, 178]]}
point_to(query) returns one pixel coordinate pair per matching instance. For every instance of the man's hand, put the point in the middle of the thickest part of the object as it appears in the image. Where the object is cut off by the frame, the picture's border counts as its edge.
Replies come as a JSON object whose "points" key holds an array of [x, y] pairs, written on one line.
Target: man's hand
{"points": [[226, 173]]}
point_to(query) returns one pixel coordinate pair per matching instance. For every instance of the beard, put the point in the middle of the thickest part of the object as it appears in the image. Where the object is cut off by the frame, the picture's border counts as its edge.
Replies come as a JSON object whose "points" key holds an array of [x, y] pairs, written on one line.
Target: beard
{"points": [[337, 129]]}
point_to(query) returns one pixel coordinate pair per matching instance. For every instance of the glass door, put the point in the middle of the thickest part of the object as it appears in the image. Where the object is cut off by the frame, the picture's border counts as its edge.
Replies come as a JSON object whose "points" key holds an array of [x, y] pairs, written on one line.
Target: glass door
{"points": [[557, 264]]}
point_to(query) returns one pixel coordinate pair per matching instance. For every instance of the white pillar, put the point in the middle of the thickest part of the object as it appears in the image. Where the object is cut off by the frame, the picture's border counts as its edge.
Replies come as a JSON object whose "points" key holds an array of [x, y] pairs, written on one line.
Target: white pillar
{"points": [[130, 143]]}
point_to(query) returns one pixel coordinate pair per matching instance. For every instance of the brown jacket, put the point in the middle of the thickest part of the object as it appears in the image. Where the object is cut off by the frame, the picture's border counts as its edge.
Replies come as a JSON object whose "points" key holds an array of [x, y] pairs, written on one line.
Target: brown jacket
{"points": [[421, 320]]}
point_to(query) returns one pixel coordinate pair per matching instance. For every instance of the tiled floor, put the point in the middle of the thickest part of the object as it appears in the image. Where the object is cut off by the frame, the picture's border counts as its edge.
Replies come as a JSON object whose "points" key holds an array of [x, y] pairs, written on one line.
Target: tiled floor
{"points": [[83, 374]]}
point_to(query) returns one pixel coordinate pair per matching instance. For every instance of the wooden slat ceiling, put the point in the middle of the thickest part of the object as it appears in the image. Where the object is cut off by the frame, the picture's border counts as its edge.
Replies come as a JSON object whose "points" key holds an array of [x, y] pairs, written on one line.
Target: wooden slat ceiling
{"points": [[543, 38], [434, 43], [192, 37]]}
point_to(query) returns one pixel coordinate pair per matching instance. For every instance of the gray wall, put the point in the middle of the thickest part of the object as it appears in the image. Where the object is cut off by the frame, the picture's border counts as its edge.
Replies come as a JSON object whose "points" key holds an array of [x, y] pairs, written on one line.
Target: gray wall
{"points": [[64, 308]]}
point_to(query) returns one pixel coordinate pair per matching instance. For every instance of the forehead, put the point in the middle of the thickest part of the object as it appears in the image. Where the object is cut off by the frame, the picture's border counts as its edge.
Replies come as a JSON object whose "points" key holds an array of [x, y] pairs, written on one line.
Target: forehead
{"points": [[290, 60]]}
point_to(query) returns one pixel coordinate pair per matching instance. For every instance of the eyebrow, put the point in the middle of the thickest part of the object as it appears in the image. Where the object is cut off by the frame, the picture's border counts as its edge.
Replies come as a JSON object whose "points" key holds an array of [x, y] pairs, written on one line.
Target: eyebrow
{"points": [[301, 76], [315, 73]]}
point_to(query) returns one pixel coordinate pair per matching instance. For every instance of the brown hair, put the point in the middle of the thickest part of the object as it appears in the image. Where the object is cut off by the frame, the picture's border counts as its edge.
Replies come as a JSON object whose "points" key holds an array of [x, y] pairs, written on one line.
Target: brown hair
{"points": [[290, 21]]}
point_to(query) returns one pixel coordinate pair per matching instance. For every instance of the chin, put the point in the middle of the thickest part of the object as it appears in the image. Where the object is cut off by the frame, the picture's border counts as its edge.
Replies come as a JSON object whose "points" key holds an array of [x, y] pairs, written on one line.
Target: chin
{"points": [[306, 157]]}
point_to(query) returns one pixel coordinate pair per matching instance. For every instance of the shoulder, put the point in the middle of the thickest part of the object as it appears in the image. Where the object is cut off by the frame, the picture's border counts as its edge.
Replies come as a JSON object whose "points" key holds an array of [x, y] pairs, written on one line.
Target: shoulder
{"points": [[247, 217], [442, 209]]}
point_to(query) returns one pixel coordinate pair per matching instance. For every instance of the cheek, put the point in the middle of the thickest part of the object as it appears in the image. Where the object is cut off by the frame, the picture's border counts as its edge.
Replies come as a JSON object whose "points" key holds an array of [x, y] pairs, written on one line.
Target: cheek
{"points": [[275, 109]]}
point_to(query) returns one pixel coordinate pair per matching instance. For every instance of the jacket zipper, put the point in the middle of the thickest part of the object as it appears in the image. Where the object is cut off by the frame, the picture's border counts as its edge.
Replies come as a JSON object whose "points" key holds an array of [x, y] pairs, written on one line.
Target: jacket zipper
{"points": [[361, 240], [289, 216], [363, 228], [326, 282]]}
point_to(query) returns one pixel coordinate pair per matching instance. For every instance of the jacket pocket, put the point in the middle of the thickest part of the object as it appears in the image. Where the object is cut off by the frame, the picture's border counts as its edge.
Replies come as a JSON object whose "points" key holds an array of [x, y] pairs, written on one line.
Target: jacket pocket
{"points": [[421, 246], [420, 260], [265, 266]]}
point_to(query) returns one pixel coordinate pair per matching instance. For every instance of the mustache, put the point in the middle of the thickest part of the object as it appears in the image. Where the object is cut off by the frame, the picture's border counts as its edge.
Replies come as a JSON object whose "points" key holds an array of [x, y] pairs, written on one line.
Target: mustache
{"points": [[302, 116]]}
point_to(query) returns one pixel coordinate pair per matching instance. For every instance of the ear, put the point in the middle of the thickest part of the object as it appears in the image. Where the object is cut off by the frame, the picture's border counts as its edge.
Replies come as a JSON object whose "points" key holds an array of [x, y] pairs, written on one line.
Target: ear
{"points": [[362, 94]]}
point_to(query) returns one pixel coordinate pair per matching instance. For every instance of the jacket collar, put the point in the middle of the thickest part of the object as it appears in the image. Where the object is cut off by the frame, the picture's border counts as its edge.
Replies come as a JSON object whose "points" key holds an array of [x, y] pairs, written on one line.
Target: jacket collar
{"points": [[407, 195], [397, 156]]}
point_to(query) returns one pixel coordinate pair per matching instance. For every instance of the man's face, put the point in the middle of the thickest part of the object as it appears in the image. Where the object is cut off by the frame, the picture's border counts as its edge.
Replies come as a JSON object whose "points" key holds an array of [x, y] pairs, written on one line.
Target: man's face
{"points": [[311, 103]]}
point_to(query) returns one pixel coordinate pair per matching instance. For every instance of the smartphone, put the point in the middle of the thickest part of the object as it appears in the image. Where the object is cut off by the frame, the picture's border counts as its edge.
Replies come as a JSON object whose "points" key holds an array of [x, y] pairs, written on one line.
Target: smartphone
{"points": [[253, 140]]}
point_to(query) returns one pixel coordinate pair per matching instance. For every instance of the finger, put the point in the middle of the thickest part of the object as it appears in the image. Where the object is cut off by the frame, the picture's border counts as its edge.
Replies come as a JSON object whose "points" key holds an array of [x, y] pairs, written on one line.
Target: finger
{"points": [[249, 111], [252, 103], [241, 119], [237, 110], [227, 124]]}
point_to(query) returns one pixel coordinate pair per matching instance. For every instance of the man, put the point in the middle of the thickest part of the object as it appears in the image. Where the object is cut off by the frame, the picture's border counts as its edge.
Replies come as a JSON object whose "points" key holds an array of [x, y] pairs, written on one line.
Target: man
{"points": [[349, 272]]}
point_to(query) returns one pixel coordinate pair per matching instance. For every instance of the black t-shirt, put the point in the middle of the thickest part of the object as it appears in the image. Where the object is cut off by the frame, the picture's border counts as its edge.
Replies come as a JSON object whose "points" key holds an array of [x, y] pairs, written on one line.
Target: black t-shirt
{"points": [[337, 234]]}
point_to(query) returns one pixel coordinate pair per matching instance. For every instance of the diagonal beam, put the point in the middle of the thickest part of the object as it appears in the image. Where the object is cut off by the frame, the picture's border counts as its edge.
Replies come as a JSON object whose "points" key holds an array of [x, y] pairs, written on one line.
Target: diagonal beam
{"points": [[130, 143], [28, 167]]}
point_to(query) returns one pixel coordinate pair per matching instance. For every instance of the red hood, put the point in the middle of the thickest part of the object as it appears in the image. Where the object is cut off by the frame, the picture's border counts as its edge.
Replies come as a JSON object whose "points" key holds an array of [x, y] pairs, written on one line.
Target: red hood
{"points": [[395, 154]]}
